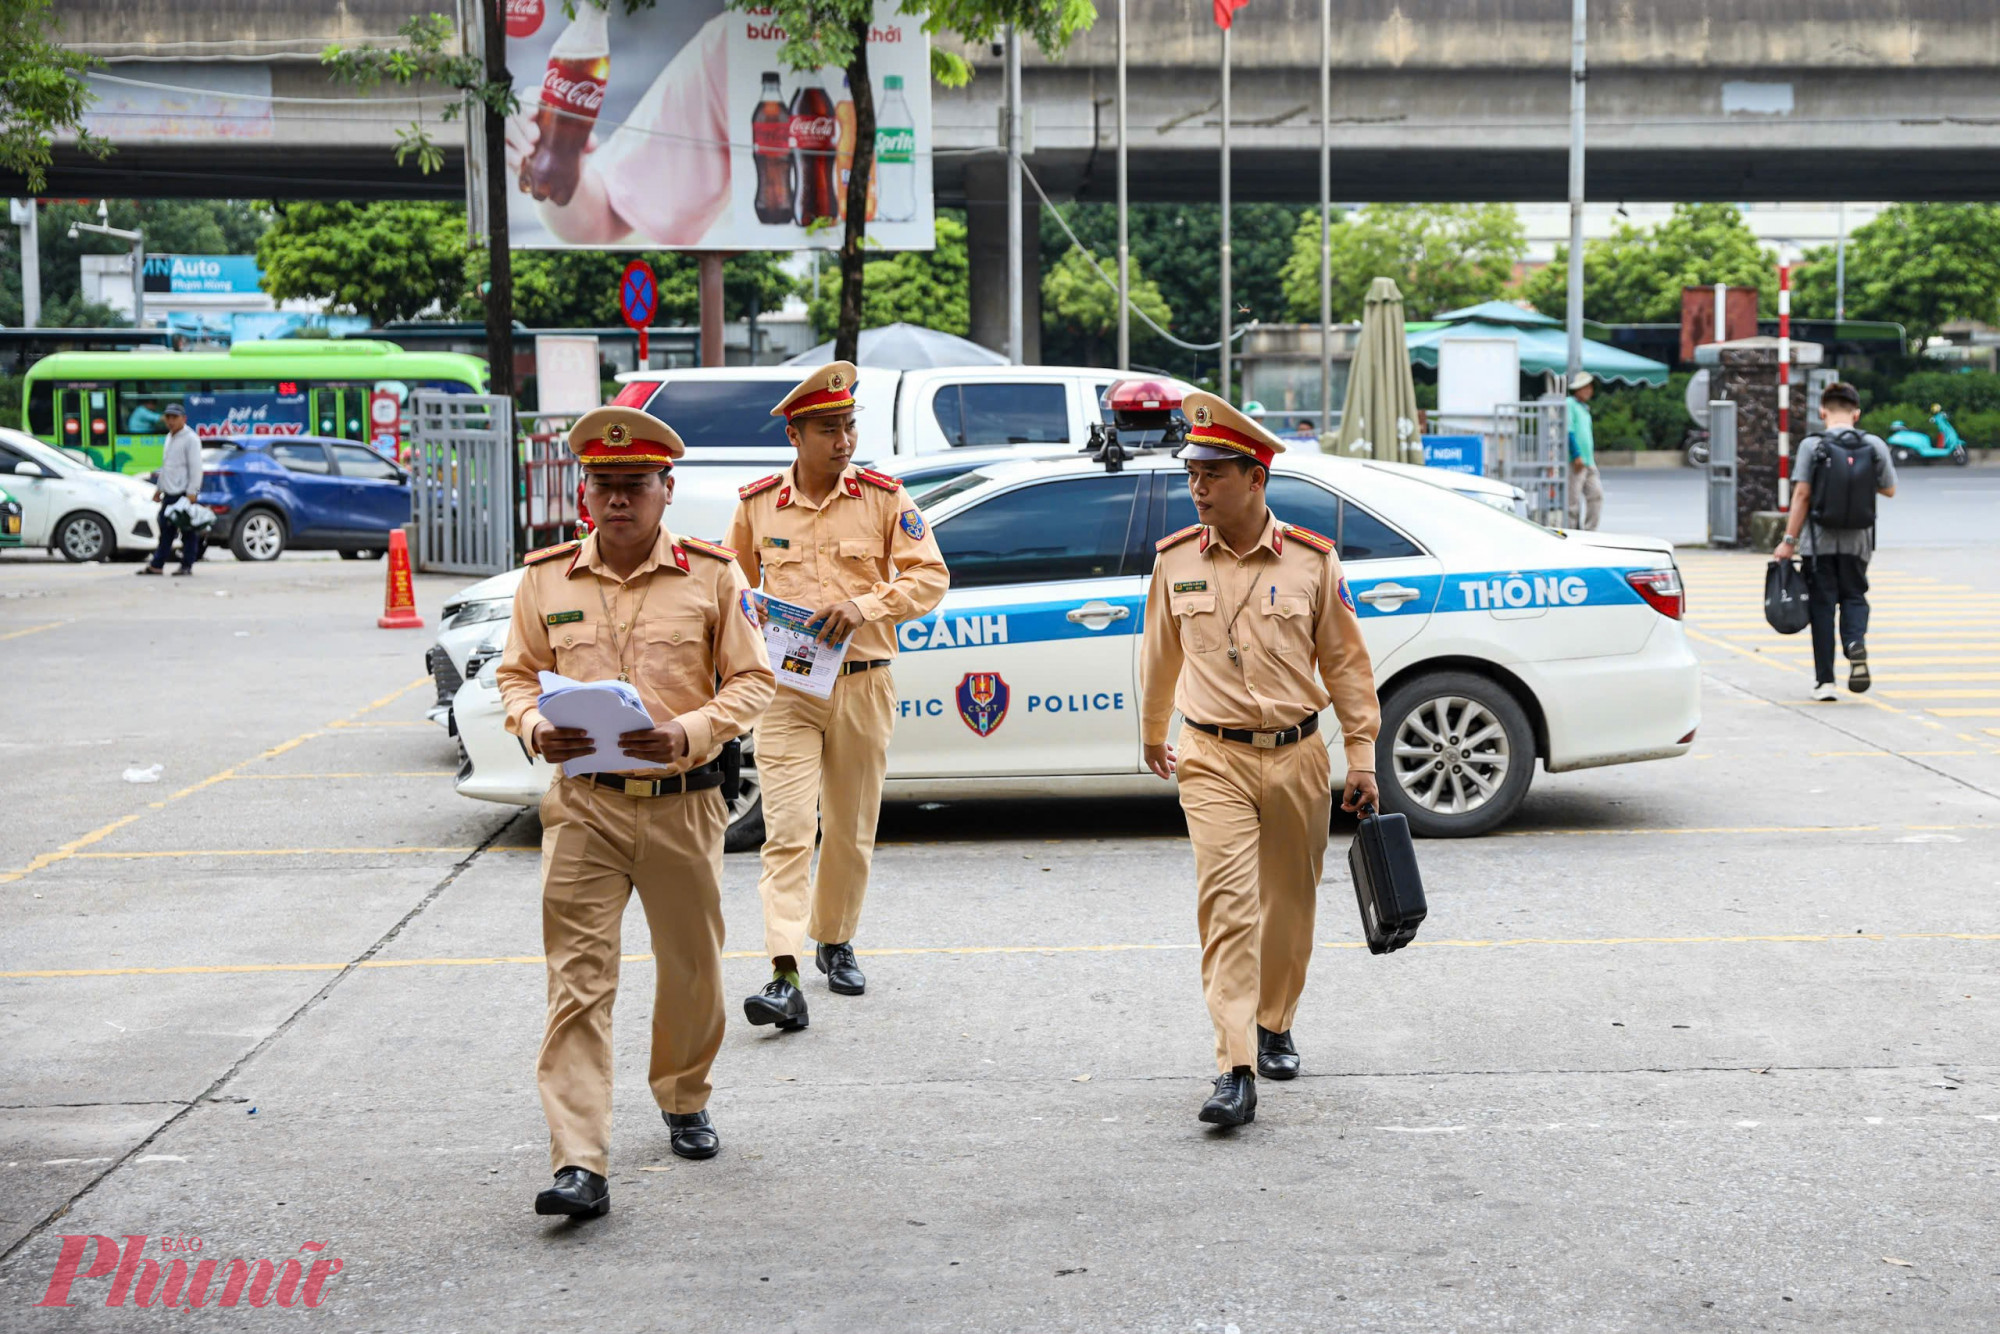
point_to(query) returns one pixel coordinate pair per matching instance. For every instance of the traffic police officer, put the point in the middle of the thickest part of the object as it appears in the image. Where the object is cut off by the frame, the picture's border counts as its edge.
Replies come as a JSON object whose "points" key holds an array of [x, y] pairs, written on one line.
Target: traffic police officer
{"points": [[1243, 608], [635, 603], [848, 543]]}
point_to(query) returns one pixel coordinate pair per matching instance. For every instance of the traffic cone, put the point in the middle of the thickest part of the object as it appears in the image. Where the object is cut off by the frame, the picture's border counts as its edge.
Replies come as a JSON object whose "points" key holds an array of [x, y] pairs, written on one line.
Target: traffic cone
{"points": [[399, 602]]}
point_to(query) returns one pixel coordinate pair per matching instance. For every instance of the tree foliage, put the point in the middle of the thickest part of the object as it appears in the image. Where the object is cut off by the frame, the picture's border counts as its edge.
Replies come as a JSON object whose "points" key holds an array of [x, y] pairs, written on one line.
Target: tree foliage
{"points": [[928, 287], [1635, 275], [171, 226], [1442, 256], [1920, 265], [578, 289], [1077, 300], [42, 92], [388, 260]]}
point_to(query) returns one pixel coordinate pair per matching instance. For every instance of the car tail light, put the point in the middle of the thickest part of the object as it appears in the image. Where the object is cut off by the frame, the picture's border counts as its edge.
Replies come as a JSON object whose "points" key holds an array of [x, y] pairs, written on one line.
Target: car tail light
{"points": [[219, 509], [1684, 740], [635, 394], [1660, 588]]}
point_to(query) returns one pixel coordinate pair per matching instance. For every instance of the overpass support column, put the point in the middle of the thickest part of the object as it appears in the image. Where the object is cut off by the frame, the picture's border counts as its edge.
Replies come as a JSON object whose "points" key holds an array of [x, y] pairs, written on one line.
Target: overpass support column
{"points": [[986, 243]]}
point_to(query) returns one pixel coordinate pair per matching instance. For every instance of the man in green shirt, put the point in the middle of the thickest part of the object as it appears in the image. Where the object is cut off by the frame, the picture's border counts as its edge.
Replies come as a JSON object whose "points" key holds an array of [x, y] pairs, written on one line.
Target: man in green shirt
{"points": [[1586, 489]]}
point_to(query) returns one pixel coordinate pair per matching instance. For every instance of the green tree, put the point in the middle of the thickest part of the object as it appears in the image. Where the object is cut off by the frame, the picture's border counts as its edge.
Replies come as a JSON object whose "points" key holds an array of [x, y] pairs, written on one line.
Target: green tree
{"points": [[1076, 298], [42, 92], [1920, 265], [171, 226], [928, 287], [1635, 275], [388, 260], [1442, 256], [834, 33], [578, 289]]}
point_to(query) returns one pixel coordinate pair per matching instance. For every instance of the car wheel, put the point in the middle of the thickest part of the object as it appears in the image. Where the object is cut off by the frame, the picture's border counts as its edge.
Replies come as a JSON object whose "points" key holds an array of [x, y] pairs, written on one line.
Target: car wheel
{"points": [[84, 537], [746, 816], [259, 535], [1456, 754]]}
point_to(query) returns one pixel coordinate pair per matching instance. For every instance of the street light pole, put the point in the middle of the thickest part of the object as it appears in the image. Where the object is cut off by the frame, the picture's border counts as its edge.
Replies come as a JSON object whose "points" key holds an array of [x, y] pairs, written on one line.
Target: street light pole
{"points": [[1325, 219], [1222, 378], [1124, 239], [1014, 331], [1573, 316], [27, 214], [138, 240]]}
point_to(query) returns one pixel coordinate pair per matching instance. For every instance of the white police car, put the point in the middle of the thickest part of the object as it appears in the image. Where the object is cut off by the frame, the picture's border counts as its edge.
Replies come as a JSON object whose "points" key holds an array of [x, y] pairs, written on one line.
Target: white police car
{"points": [[1495, 642]]}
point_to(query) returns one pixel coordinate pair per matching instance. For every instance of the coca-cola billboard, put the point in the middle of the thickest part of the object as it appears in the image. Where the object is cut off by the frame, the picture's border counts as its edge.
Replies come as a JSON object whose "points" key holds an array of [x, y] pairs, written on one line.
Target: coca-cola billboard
{"points": [[680, 127]]}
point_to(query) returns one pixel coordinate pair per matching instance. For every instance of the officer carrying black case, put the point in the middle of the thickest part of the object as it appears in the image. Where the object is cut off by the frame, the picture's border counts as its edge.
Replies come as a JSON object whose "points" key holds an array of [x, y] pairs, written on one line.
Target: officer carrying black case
{"points": [[1383, 862]]}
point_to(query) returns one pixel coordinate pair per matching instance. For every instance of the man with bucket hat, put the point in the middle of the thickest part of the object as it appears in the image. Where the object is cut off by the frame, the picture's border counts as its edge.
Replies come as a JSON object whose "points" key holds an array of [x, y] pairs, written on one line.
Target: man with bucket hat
{"points": [[1246, 617], [632, 602]]}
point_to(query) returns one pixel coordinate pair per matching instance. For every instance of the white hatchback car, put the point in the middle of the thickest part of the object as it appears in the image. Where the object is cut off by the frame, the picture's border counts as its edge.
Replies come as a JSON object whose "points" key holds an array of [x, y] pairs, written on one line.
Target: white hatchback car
{"points": [[70, 506], [1495, 642]]}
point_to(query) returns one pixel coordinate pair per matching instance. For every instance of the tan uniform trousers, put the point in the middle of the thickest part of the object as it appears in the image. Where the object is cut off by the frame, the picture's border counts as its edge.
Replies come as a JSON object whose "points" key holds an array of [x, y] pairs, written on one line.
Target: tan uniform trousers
{"points": [[821, 763], [1258, 822], [598, 846]]}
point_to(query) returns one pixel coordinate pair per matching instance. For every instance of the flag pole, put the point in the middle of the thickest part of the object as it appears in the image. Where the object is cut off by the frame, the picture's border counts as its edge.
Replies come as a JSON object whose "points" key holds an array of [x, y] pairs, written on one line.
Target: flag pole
{"points": [[1227, 314], [1573, 316], [1325, 219], [1124, 245]]}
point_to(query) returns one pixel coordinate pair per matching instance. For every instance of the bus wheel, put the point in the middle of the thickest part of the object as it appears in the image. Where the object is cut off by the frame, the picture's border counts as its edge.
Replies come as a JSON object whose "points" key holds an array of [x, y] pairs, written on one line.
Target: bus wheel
{"points": [[259, 535], [84, 537]]}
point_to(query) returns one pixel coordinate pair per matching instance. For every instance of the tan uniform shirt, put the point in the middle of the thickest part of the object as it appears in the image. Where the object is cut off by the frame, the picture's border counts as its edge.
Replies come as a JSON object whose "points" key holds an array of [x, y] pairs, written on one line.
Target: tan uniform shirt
{"points": [[1285, 603], [867, 543], [674, 626]]}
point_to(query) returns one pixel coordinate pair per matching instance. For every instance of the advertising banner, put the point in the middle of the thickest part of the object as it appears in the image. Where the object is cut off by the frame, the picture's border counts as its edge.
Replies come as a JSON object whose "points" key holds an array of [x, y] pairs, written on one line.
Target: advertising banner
{"points": [[678, 128], [184, 274], [246, 412]]}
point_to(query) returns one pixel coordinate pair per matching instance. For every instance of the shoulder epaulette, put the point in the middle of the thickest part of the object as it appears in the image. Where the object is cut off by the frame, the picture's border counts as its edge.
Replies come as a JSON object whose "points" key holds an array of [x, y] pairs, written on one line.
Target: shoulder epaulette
{"points": [[1314, 540], [759, 486], [1171, 538], [550, 553], [715, 549], [873, 478]]}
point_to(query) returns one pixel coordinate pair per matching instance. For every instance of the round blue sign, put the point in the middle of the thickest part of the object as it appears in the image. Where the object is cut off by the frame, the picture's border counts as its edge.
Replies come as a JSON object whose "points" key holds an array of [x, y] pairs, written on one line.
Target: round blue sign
{"points": [[638, 294]]}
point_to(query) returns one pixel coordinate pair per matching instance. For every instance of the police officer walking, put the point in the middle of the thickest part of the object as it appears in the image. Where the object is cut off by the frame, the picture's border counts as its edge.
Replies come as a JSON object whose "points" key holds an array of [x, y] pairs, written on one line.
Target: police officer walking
{"points": [[635, 603], [1246, 616], [849, 544]]}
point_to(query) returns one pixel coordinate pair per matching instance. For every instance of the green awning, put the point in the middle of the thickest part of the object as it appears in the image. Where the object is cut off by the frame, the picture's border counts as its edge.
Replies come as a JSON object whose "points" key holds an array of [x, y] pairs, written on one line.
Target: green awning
{"points": [[1543, 342]]}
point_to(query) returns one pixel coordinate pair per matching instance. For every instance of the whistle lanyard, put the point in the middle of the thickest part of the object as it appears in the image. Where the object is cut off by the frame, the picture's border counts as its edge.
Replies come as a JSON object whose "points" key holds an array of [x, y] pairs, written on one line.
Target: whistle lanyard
{"points": [[1249, 591], [611, 626]]}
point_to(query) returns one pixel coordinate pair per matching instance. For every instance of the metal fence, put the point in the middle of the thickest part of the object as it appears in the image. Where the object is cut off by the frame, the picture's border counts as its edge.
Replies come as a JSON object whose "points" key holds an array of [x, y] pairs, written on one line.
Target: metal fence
{"points": [[1722, 472], [461, 477], [1531, 440], [549, 478]]}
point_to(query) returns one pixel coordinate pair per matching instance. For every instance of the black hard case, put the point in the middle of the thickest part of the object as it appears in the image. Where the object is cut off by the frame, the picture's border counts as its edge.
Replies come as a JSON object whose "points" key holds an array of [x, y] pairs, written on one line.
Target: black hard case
{"points": [[1387, 886]]}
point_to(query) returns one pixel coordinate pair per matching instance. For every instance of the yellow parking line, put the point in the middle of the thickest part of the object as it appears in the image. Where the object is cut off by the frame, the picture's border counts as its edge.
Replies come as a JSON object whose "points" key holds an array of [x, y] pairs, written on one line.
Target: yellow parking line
{"points": [[1964, 713], [33, 630], [345, 724], [1714, 829], [1899, 754], [264, 852], [1941, 694]]}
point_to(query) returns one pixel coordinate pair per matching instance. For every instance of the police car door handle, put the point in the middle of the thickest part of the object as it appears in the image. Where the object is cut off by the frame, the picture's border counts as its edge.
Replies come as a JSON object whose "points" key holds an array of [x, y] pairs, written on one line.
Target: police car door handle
{"points": [[1394, 594], [1096, 614]]}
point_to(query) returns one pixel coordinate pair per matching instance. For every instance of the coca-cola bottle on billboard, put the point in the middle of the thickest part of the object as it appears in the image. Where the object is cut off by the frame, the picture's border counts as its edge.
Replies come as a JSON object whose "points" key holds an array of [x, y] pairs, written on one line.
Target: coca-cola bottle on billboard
{"points": [[572, 93], [771, 133], [814, 136]]}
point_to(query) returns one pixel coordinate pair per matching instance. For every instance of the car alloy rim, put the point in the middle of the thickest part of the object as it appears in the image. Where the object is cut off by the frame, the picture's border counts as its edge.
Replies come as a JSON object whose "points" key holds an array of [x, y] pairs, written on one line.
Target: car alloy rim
{"points": [[747, 793], [84, 540], [260, 536], [1451, 755]]}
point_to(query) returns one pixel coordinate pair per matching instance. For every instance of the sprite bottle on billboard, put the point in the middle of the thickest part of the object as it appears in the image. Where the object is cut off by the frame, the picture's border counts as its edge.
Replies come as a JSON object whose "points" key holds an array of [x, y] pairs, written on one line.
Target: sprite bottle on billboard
{"points": [[896, 154]]}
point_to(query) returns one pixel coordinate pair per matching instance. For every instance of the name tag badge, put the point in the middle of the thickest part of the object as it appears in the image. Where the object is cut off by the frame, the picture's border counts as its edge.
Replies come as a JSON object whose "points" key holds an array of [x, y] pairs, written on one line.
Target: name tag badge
{"points": [[563, 617], [1192, 586], [780, 542]]}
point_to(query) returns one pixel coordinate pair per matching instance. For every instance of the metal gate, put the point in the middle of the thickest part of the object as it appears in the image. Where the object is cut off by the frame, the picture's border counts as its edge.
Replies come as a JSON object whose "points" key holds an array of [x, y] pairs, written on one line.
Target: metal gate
{"points": [[549, 478], [1531, 440], [461, 476], [1722, 472]]}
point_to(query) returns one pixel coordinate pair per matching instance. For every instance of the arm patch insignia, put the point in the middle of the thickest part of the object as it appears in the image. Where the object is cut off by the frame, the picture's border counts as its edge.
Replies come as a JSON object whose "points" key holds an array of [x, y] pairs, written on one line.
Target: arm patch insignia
{"points": [[715, 549], [759, 486], [1171, 538], [1314, 540], [550, 553]]}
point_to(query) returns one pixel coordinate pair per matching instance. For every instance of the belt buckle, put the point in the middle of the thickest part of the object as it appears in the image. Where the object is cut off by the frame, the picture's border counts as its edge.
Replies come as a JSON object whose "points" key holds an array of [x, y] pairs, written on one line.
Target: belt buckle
{"points": [[638, 787], [1265, 740]]}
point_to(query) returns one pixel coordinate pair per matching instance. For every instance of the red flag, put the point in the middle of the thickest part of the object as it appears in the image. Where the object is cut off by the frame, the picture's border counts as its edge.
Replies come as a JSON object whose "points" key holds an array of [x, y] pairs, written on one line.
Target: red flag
{"points": [[1225, 11]]}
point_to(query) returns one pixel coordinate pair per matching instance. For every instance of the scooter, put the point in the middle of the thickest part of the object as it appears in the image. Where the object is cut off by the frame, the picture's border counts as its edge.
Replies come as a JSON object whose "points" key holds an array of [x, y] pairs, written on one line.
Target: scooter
{"points": [[1906, 444]]}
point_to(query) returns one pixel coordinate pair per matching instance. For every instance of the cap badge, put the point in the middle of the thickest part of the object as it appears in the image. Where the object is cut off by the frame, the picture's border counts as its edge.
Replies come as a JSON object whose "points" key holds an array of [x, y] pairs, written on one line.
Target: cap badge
{"points": [[616, 434], [1201, 414], [836, 381]]}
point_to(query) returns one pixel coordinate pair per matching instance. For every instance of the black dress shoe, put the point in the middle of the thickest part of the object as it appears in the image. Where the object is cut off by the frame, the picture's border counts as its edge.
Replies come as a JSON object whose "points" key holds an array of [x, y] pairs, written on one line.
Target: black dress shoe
{"points": [[577, 1193], [1277, 1058], [843, 975], [1234, 1102], [778, 1003], [692, 1134]]}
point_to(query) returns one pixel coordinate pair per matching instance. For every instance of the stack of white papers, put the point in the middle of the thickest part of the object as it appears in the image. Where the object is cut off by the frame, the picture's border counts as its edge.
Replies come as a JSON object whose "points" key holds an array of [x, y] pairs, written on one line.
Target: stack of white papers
{"points": [[605, 709]]}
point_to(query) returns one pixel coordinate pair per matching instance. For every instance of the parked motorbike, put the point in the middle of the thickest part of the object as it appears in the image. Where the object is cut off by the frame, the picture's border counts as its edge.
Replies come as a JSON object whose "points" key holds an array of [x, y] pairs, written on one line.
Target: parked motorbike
{"points": [[1906, 444]]}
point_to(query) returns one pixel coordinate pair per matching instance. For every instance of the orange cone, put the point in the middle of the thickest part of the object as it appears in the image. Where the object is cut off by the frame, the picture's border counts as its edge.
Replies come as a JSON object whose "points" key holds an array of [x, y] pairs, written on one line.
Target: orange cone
{"points": [[399, 603]]}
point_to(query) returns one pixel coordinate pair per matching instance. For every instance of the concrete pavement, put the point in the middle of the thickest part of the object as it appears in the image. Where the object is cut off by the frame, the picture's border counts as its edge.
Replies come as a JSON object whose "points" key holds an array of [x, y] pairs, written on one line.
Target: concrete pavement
{"points": [[1696, 1045]]}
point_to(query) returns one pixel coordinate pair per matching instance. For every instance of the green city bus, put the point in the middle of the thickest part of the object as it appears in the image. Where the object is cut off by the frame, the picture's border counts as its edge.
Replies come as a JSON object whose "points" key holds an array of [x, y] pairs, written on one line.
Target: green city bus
{"points": [[108, 403]]}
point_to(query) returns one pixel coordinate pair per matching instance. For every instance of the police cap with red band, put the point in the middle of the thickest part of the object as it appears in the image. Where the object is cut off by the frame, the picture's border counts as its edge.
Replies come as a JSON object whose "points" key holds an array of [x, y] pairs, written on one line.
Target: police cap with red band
{"points": [[827, 390], [614, 437], [1215, 430]]}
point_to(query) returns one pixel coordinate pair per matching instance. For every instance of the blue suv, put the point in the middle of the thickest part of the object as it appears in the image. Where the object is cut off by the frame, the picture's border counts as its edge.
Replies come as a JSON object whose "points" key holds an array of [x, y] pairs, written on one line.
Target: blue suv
{"points": [[270, 492]]}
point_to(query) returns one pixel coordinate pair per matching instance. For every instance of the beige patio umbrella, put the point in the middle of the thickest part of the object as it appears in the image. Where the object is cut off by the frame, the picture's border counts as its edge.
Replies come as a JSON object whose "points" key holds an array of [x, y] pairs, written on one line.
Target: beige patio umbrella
{"points": [[1379, 420]]}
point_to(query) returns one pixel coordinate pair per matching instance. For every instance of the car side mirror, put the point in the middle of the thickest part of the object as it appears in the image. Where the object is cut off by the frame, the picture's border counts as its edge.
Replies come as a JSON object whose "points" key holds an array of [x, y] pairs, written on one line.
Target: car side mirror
{"points": [[28, 469]]}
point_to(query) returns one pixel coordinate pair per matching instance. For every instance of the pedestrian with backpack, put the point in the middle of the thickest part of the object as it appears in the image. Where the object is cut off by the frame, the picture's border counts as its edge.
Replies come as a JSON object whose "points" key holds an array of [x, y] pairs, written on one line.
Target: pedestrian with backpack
{"points": [[1835, 480]]}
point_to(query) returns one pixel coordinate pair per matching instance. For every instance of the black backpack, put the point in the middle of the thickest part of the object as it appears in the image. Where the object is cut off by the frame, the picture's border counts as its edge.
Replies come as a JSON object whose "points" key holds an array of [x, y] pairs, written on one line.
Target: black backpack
{"points": [[1843, 481]]}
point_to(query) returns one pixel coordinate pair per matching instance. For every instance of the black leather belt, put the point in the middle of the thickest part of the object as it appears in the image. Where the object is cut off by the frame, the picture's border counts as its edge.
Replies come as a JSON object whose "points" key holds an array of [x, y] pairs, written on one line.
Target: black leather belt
{"points": [[1261, 740], [694, 780], [850, 668]]}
